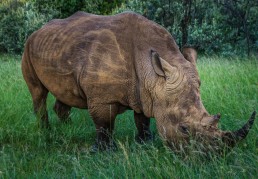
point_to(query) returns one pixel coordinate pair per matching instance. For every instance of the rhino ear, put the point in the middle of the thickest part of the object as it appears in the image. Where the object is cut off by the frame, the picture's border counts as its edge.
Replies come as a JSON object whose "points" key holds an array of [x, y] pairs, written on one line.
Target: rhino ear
{"points": [[190, 54], [160, 66]]}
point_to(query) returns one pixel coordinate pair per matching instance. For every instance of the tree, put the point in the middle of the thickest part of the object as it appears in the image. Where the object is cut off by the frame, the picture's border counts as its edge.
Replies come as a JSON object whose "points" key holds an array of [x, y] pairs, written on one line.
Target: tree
{"points": [[186, 20], [238, 14], [219, 26]]}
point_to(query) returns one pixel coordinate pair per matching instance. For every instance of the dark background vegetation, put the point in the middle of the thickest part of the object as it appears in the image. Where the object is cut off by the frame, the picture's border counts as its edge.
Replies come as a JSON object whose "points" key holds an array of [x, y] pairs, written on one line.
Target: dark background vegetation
{"points": [[224, 27]]}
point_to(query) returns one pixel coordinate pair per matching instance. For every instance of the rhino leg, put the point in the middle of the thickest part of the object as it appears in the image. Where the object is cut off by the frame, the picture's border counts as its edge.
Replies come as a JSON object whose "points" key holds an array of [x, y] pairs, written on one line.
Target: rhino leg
{"points": [[143, 126], [104, 120], [37, 91], [39, 96], [62, 110]]}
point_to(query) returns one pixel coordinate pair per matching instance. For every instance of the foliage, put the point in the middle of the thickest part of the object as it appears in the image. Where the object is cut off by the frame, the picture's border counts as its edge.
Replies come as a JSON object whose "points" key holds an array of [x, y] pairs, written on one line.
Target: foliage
{"points": [[18, 19], [66, 8], [228, 86], [219, 26], [240, 18], [226, 27]]}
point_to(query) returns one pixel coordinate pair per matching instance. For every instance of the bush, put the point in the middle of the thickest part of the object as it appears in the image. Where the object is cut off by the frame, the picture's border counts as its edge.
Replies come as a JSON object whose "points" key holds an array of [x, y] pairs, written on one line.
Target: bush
{"points": [[18, 20], [213, 27], [224, 27]]}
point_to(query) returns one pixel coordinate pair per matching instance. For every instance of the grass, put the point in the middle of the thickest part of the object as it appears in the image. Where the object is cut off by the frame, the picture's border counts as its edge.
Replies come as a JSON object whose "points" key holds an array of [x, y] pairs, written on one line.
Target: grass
{"points": [[229, 86]]}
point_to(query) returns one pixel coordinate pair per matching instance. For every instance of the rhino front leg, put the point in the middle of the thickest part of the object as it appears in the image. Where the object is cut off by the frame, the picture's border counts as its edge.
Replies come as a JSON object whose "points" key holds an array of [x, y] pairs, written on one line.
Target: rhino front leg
{"points": [[62, 110], [104, 120], [143, 126]]}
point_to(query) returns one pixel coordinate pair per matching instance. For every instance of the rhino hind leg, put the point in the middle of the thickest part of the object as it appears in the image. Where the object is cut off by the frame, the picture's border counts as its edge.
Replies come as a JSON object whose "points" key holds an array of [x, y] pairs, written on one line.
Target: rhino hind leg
{"points": [[104, 120], [39, 97], [37, 90], [62, 110], [143, 126]]}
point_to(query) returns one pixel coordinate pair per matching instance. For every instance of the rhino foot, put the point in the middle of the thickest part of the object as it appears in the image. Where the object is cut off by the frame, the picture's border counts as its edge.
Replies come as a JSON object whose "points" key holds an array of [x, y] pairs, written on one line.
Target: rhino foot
{"points": [[145, 137]]}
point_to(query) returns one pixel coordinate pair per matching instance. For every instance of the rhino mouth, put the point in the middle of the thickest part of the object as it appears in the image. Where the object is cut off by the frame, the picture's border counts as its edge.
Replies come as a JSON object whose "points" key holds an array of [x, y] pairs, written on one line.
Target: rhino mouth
{"points": [[210, 142]]}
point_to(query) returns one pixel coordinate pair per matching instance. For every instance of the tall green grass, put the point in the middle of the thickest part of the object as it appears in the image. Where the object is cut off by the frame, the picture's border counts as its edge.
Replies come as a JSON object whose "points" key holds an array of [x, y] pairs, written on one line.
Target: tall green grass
{"points": [[229, 86]]}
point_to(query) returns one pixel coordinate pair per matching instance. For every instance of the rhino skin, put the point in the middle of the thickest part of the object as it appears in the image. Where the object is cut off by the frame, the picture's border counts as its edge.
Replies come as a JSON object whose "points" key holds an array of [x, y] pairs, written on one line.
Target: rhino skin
{"points": [[108, 64]]}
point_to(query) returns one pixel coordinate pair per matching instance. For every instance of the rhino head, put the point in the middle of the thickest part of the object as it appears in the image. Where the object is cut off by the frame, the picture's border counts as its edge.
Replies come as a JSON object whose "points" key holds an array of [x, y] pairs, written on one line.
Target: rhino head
{"points": [[178, 109]]}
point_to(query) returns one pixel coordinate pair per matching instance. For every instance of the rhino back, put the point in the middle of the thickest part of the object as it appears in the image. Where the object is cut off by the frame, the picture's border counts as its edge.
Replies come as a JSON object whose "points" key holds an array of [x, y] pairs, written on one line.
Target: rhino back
{"points": [[97, 57]]}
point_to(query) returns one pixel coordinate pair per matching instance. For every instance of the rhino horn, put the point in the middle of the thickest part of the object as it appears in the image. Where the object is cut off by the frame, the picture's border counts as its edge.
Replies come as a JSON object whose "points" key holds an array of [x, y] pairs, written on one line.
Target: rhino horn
{"points": [[231, 138]]}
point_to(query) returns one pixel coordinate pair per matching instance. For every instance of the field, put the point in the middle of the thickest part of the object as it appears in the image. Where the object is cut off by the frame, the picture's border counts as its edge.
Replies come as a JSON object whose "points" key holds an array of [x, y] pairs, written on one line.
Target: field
{"points": [[229, 86]]}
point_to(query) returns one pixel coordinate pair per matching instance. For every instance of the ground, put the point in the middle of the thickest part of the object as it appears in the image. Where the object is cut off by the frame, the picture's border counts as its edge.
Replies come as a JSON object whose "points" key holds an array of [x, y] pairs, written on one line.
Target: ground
{"points": [[229, 86]]}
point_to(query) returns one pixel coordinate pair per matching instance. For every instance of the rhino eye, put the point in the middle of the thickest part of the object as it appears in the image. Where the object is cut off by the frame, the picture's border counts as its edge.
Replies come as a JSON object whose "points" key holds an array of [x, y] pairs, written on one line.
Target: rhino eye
{"points": [[184, 129]]}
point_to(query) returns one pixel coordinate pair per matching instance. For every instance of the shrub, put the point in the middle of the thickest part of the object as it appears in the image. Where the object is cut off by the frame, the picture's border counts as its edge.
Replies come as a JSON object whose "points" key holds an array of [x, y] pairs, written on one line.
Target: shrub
{"points": [[18, 20]]}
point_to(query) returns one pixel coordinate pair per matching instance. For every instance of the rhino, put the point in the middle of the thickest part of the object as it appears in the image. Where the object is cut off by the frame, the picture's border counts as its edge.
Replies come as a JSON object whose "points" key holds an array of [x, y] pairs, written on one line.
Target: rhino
{"points": [[109, 64]]}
